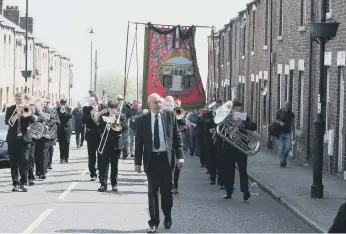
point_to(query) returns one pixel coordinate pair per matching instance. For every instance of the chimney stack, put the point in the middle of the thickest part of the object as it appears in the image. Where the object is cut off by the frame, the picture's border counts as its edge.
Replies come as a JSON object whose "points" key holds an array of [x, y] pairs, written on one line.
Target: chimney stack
{"points": [[1, 6], [12, 14], [30, 24]]}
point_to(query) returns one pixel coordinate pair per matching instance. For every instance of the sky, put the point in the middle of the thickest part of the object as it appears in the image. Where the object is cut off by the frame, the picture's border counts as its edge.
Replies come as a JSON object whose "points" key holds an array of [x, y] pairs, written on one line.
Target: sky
{"points": [[64, 24]]}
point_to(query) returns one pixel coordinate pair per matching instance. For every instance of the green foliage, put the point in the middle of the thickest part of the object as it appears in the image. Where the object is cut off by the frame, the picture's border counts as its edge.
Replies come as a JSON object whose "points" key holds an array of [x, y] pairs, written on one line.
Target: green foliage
{"points": [[113, 84]]}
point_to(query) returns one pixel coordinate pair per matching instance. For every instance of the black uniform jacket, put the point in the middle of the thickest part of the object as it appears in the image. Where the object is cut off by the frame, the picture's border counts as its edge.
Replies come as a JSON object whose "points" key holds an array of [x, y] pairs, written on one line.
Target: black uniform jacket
{"points": [[12, 131], [114, 138], [65, 121], [88, 121]]}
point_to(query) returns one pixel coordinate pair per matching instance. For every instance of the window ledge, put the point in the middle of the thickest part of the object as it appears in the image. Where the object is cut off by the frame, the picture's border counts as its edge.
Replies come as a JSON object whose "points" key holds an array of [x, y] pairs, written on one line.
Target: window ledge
{"points": [[252, 53], [302, 28], [279, 38], [265, 47], [243, 57]]}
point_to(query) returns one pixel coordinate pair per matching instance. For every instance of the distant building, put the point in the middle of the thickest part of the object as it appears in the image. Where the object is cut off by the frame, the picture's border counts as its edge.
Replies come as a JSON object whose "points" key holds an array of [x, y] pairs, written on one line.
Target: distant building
{"points": [[51, 71]]}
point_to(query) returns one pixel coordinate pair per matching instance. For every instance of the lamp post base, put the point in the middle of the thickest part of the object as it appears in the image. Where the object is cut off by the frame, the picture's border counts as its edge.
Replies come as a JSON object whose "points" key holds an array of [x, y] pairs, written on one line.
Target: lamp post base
{"points": [[317, 191]]}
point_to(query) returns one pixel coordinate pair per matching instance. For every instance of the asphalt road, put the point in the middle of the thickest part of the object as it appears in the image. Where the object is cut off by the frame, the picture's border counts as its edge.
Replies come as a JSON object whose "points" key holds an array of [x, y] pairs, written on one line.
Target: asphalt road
{"points": [[67, 202]]}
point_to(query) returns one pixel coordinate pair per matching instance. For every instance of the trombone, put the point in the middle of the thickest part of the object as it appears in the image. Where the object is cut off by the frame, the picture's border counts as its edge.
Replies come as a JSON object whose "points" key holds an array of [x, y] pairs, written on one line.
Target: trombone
{"points": [[112, 123]]}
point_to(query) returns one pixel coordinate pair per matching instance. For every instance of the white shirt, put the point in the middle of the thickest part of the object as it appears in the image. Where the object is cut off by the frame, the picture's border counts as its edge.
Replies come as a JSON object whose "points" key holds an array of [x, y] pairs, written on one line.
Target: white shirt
{"points": [[161, 133]]}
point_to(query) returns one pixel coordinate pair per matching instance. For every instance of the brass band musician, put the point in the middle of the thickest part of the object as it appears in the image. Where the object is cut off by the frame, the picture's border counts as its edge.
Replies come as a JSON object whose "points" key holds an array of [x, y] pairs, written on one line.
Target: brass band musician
{"points": [[64, 130], [111, 144], [19, 139]]}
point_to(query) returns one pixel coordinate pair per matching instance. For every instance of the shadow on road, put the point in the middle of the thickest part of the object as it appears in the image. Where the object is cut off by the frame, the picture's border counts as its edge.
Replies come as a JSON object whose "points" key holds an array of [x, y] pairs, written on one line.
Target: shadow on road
{"points": [[99, 231]]}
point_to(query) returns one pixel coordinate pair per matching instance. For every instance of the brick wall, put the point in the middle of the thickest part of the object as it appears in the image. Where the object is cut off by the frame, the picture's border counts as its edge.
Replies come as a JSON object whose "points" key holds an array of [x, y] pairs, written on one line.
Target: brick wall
{"points": [[291, 66]]}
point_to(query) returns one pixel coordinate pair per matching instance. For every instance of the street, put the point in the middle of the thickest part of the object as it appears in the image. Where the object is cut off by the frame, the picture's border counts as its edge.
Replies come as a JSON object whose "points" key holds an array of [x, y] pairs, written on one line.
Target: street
{"points": [[68, 202]]}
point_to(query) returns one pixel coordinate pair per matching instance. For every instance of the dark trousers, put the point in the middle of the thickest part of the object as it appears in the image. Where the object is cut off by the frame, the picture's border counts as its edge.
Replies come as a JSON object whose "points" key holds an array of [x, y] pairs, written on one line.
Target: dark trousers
{"points": [[176, 177], [109, 155], [19, 151], [42, 155], [199, 148], [229, 171], [64, 145], [159, 176], [209, 155], [79, 130], [32, 161], [193, 144], [52, 142], [93, 139]]}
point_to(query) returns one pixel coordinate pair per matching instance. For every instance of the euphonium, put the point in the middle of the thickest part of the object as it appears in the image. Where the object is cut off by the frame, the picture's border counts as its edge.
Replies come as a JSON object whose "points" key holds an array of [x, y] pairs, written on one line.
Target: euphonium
{"points": [[229, 129], [179, 111]]}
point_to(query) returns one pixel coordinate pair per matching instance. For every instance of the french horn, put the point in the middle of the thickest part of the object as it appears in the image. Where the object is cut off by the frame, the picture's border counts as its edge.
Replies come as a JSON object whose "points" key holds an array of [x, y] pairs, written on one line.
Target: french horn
{"points": [[37, 130], [230, 130]]}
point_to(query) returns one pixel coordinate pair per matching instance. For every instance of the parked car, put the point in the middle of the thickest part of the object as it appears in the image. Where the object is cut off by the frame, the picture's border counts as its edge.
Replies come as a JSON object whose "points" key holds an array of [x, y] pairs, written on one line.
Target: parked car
{"points": [[3, 144]]}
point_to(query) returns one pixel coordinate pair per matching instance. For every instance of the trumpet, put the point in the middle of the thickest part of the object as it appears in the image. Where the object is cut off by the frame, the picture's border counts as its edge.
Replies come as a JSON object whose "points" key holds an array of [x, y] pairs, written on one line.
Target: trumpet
{"points": [[24, 111], [62, 109]]}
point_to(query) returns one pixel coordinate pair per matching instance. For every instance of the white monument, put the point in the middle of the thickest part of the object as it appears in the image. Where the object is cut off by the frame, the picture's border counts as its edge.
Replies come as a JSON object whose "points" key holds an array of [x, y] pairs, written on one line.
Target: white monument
{"points": [[176, 83]]}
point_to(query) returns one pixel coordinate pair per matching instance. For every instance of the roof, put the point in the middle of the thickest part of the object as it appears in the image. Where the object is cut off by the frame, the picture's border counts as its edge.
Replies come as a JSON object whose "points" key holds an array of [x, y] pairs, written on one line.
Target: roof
{"points": [[9, 24]]}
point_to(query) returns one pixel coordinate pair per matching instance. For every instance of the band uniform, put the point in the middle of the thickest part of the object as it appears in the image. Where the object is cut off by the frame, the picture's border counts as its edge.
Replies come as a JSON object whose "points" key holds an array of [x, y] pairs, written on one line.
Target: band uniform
{"points": [[64, 130]]}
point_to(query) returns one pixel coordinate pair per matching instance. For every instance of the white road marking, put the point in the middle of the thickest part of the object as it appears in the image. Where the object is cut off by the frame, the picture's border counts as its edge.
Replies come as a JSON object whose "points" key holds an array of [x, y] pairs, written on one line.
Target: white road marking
{"points": [[67, 191], [38, 221], [84, 172]]}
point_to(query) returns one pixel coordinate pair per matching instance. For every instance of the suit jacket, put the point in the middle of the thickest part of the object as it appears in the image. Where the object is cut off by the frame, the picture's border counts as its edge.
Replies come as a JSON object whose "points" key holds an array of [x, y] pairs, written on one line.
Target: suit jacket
{"points": [[144, 141], [65, 120], [114, 138], [87, 120], [12, 131]]}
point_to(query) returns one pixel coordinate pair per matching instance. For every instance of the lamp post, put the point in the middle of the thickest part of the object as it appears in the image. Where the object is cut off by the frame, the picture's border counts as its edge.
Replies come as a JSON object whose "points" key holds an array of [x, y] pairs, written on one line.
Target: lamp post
{"points": [[321, 32], [91, 34], [26, 73]]}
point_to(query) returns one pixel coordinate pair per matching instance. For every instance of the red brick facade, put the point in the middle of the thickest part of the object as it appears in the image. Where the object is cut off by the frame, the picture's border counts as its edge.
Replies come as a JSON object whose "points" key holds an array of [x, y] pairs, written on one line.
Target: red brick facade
{"points": [[268, 45]]}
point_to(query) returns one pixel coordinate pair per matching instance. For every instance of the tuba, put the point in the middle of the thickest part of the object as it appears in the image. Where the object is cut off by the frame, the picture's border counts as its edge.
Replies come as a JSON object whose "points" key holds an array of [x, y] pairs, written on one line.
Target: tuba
{"points": [[228, 128], [178, 110]]}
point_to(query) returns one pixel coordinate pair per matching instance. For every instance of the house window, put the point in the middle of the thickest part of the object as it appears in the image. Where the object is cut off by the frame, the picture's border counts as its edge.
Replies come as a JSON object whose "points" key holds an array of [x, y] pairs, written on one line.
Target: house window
{"points": [[302, 12], [266, 23], [253, 30], [244, 40], [278, 92], [286, 87], [290, 87], [281, 18], [300, 114]]}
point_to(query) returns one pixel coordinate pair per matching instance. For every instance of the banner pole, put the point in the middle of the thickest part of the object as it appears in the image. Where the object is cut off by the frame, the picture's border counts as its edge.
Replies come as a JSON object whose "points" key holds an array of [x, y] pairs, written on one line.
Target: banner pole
{"points": [[197, 26], [127, 45]]}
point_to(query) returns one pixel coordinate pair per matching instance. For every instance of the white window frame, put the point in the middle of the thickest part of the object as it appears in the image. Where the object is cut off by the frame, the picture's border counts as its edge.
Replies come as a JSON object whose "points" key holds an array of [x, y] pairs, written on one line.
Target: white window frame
{"points": [[327, 99], [301, 99]]}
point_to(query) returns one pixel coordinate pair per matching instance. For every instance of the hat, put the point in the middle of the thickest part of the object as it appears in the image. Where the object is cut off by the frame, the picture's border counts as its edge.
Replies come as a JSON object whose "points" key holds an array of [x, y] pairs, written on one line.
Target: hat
{"points": [[63, 101]]}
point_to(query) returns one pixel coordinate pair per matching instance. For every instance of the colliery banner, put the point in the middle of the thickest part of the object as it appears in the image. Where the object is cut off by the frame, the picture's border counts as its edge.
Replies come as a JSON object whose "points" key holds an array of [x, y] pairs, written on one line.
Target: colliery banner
{"points": [[170, 65]]}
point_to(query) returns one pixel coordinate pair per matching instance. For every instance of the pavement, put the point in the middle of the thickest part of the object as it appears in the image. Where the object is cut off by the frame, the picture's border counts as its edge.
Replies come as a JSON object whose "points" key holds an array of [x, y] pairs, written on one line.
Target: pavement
{"points": [[68, 202], [291, 187]]}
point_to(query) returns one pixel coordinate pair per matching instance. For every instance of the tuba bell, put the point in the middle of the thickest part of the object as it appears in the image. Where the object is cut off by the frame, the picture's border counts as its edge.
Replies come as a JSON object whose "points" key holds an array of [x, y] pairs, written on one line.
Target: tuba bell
{"points": [[228, 128], [178, 110]]}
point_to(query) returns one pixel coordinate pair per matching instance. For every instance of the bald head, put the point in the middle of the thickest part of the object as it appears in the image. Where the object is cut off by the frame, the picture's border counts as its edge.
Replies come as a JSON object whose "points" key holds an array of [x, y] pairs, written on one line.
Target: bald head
{"points": [[169, 99], [155, 103]]}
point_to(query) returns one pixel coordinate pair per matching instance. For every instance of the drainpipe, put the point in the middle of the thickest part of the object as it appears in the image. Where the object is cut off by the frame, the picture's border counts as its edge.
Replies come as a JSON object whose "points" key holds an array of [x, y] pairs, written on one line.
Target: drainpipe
{"points": [[308, 151], [270, 83]]}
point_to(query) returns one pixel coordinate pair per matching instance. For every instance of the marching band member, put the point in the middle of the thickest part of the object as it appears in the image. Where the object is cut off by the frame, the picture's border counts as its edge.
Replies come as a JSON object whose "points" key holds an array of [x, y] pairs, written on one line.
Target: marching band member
{"points": [[231, 156], [78, 124], [113, 145], [42, 145], [64, 130], [126, 111], [92, 135], [52, 141], [19, 139]]}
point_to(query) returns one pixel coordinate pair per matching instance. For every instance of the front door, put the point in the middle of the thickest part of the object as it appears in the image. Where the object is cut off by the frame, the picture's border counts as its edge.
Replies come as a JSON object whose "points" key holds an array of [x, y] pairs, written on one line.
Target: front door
{"points": [[341, 150]]}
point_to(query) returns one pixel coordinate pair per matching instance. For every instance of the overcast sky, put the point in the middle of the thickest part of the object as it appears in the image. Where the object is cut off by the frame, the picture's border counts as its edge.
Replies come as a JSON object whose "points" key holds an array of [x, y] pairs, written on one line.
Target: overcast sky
{"points": [[64, 24]]}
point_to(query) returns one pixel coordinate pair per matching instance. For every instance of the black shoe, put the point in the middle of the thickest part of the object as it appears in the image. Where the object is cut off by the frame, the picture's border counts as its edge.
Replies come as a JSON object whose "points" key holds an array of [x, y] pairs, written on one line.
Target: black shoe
{"points": [[175, 191], [167, 223], [23, 188], [212, 182], [31, 183], [102, 188], [93, 178], [152, 229], [49, 167], [66, 160], [16, 188], [115, 188], [227, 196], [42, 177], [246, 196]]}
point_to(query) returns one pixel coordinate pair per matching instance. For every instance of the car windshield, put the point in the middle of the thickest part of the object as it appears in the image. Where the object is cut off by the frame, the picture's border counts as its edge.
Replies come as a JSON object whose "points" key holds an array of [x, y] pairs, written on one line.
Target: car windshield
{"points": [[2, 123]]}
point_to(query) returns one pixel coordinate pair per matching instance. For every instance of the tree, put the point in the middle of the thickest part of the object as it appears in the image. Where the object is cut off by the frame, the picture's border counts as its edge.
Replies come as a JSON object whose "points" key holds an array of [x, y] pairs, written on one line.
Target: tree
{"points": [[112, 83]]}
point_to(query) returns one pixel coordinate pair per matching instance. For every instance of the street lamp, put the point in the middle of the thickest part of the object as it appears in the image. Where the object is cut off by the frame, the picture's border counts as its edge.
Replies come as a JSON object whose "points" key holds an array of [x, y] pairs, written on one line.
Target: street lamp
{"points": [[26, 74], [91, 34], [321, 32]]}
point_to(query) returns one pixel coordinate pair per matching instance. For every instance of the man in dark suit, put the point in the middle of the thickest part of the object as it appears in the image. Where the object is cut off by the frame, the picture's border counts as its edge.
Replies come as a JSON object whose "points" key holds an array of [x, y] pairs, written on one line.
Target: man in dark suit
{"points": [[64, 130], [112, 146], [19, 141], [157, 138], [92, 135]]}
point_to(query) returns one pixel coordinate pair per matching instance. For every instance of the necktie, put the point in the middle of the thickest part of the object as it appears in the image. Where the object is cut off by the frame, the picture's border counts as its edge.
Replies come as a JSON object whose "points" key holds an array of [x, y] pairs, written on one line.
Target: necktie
{"points": [[156, 133], [19, 127]]}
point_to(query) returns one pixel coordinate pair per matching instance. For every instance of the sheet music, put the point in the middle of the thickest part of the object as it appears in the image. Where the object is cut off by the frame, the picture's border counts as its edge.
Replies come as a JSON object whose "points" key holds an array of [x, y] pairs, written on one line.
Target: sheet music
{"points": [[239, 115], [108, 119]]}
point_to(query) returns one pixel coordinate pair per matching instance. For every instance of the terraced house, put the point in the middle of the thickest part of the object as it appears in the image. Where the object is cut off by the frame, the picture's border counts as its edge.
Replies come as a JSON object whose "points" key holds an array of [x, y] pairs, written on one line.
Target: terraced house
{"points": [[51, 71], [265, 56]]}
